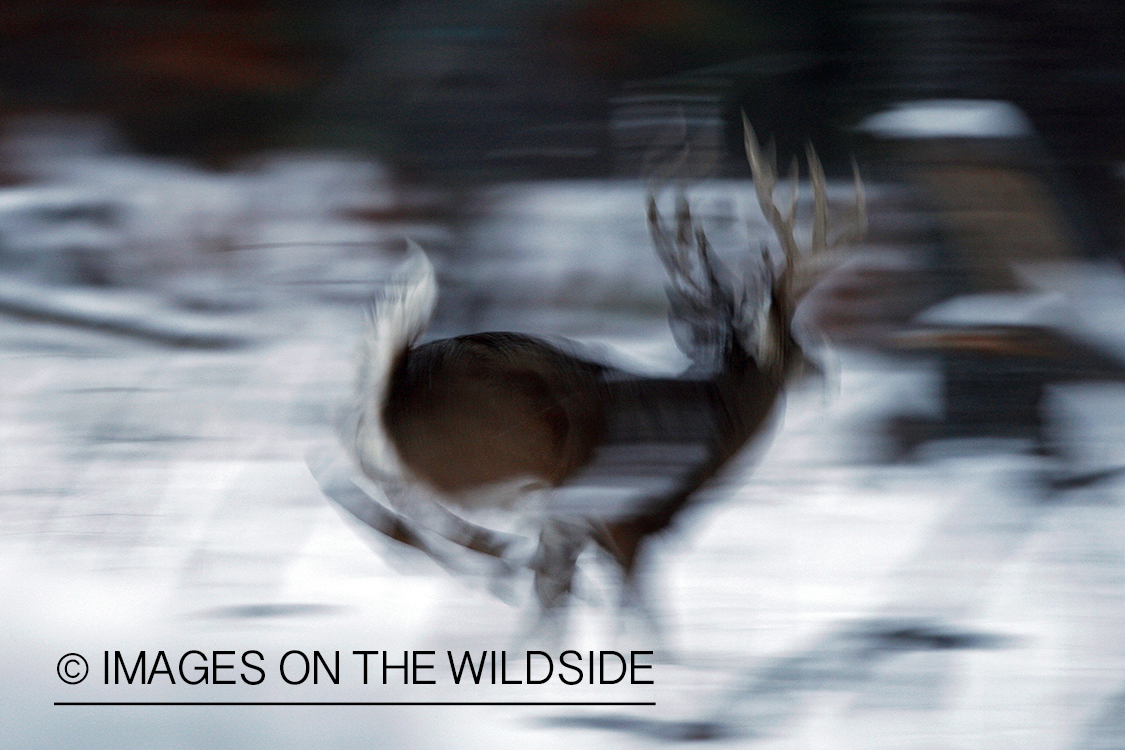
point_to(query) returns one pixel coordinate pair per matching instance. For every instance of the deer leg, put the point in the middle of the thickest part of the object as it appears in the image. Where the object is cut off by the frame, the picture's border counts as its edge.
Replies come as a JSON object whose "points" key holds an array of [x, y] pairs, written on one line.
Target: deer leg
{"points": [[561, 542], [624, 541], [333, 475], [427, 525]]}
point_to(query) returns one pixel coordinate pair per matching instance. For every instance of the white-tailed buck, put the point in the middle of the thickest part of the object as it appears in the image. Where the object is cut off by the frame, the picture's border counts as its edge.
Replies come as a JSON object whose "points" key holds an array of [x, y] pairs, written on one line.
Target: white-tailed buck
{"points": [[478, 421]]}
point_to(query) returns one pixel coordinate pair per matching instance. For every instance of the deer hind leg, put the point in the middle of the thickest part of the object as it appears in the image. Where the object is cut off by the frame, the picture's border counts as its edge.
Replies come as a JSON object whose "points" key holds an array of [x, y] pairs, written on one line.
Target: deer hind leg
{"points": [[337, 481], [561, 543], [429, 528]]}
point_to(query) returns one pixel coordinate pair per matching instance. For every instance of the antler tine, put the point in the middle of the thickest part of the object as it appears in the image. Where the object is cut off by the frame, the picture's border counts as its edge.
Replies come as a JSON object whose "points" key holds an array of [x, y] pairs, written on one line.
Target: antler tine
{"points": [[710, 265], [820, 202], [860, 205], [765, 180], [860, 200], [660, 238], [683, 222], [795, 191], [672, 246], [855, 231], [686, 254]]}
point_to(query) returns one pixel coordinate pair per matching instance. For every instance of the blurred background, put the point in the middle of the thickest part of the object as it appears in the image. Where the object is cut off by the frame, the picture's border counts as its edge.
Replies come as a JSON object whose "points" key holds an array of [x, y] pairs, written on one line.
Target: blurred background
{"points": [[429, 112], [197, 198]]}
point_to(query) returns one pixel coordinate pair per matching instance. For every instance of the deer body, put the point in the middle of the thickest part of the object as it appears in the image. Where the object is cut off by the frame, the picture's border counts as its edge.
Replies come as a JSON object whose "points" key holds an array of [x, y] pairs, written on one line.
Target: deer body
{"points": [[469, 412], [472, 412], [477, 421]]}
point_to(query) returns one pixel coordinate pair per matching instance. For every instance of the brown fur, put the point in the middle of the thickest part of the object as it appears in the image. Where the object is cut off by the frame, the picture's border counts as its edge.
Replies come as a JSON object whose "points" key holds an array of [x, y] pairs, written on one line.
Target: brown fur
{"points": [[477, 410]]}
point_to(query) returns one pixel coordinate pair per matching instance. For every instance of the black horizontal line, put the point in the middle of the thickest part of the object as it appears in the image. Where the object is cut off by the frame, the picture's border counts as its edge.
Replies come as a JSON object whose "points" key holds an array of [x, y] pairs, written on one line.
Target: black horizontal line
{"points": [[355, 703]]}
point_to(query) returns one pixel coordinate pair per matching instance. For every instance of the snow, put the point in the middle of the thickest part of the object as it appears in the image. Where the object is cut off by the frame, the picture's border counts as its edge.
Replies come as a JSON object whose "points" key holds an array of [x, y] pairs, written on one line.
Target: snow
{"points": [[950, 118], [156, 498]]}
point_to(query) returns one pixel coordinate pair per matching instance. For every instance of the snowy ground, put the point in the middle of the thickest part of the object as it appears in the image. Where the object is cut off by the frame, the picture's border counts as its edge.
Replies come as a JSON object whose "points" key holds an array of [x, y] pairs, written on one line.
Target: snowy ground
{"points": [[155, 498]]}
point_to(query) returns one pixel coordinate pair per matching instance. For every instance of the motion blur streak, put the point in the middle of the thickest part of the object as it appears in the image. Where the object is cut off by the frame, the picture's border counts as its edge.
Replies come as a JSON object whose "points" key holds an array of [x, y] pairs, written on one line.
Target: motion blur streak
{"points": [[198, 198]]}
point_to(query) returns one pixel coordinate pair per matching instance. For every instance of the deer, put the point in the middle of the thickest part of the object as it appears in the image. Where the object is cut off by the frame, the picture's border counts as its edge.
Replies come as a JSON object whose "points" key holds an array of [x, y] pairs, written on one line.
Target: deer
{"points": [[479, 422]]}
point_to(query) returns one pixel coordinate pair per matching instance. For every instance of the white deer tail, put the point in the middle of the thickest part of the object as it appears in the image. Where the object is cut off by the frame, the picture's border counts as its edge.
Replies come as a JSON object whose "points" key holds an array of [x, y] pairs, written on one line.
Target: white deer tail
{"points": [[398, 318]]}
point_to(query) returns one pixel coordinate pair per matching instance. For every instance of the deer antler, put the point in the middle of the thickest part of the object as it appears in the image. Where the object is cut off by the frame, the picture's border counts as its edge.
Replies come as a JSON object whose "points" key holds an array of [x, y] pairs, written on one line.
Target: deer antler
{"points": [[707, 306], [764, 171], [702, 298], [685, 252]]}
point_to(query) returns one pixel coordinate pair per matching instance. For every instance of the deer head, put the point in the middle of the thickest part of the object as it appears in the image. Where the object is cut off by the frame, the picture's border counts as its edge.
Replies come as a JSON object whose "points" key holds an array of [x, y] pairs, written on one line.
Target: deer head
{"points": [[710, 310]]}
